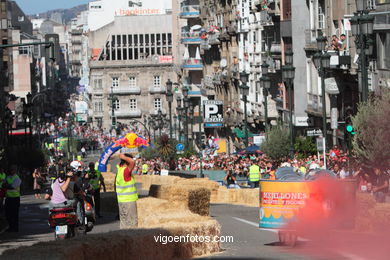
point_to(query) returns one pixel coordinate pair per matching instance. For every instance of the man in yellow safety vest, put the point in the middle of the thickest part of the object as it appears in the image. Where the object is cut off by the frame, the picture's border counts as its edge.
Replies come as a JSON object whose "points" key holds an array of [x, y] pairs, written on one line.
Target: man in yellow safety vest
{"points": [[145, 169], [254, 176], [126, 192], [12, 200], [96, 181]]}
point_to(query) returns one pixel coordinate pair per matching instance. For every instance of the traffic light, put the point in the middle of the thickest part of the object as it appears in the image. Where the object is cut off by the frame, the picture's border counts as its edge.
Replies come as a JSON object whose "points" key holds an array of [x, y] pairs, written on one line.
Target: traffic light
{"points": [[350, 129], [349, 126]]}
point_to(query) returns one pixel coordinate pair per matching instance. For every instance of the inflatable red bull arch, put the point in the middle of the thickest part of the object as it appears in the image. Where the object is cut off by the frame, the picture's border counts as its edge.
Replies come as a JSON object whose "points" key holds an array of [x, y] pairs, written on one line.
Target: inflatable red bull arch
{"points": [[131, 141]]}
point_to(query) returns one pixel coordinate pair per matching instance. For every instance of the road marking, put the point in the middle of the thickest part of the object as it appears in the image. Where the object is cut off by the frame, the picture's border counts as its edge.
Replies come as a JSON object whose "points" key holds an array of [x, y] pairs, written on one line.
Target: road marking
{"points": [[267, 229], [254, 224]]}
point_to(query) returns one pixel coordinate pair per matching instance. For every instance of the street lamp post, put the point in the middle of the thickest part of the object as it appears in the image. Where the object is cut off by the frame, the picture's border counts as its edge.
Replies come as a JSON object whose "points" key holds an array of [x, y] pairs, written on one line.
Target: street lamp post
{"points": [[186, 106], [175, 125], [245, 93], [362, 27], [288, 74], [322, 63], [192, 122], [178, 111], [169, 95], [113, 99], [266, 84]]}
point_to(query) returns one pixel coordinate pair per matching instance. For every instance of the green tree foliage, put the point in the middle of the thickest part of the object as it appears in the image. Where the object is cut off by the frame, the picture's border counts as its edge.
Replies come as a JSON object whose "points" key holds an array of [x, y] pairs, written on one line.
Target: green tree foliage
{"points": [[305, 146], [371, 144], [277, 144]]}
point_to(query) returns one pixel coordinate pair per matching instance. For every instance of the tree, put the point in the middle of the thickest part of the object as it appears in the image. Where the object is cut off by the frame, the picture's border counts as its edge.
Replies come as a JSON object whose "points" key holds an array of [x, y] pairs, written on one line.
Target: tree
{"points": [[371, 143], [305, 146], [277, 144]]}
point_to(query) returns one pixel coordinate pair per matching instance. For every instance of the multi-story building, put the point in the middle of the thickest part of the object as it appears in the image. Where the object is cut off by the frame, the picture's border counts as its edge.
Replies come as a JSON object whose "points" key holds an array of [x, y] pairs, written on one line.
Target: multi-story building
{"points": [[187, 39], [221, 55], [330, 18], [265, 47], [129, 68], [381, 79]]}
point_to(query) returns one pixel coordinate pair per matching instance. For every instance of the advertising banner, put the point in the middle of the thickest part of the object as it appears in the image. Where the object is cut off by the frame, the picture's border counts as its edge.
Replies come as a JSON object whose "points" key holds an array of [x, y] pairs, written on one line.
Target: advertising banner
{"points": [[280, 201]]}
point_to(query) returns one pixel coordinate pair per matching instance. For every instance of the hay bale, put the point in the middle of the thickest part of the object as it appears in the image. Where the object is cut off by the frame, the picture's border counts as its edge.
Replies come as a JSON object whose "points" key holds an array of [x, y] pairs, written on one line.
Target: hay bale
{"points": [[199, 201], [136, 243]]}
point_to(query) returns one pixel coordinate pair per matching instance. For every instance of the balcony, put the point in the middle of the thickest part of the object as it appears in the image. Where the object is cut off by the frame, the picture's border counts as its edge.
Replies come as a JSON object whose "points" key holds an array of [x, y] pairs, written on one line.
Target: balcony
{"points": [[97, 91], [157, 90], [191, 38], [224, 36], [127, 90], [276, 50], [190, 11], [76, 42], [128, 113], [232, 28], [266, 18], [340, 60], [77, 32], [214, 39], [155, 111], [98, 113], [217, 76], [311, 39], [235, 71], [192, 64]]}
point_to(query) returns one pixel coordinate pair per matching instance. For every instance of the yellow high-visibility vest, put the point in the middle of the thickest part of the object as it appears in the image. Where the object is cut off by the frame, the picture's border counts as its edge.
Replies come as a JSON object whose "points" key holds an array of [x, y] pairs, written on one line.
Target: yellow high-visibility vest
{"points": [[95, 182], [12, 193], [254, 171], [125, 191], [145, 168]]}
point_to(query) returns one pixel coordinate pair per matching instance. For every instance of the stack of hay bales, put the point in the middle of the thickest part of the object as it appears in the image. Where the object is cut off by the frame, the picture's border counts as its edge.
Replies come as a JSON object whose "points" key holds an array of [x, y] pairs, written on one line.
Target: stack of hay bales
{"points": [[158, 185], [118, 245]]}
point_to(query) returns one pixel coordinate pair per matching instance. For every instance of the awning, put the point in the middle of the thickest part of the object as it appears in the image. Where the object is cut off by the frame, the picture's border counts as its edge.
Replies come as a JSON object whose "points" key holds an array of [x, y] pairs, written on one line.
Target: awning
{"points": [[241, 133]]}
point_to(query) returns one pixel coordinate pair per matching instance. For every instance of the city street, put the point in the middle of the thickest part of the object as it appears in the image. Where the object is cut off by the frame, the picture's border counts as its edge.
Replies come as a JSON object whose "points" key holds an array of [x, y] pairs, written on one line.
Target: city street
{"points": [[237, 221], [34, 226]]}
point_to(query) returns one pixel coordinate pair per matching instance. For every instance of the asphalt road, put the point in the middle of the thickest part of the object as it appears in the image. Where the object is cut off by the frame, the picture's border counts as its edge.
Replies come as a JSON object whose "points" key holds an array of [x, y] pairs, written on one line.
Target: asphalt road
{"points": [[249, 241], [33, 225], [240, 222]]}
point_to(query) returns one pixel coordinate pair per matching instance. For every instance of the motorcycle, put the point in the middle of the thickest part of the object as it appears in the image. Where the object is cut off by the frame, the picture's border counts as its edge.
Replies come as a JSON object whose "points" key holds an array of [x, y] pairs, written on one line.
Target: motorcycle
{"points": [[64, 220], [88, 212]]}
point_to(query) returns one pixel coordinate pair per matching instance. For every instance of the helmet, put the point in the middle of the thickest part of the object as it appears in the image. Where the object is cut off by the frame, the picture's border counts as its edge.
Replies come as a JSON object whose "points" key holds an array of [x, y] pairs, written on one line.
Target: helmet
{"points": [[75, 165]]}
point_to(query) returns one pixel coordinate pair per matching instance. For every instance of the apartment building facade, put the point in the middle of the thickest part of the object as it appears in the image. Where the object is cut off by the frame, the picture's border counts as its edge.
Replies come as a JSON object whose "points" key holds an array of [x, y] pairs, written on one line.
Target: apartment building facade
{"points": [[129, 67]]}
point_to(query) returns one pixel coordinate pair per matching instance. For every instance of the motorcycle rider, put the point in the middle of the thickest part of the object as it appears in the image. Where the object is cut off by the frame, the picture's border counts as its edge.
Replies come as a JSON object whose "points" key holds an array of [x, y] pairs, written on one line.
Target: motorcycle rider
{"points": [[63, 192]]}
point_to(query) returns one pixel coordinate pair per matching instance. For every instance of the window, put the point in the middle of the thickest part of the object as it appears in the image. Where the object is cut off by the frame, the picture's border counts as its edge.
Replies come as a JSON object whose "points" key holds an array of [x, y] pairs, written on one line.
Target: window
{"points": [[98, 84], [98, 106], [24, 50], [321, 18], [115, 82], [133, 104], [20, 18], [157, 104], [116, 104], [157, 81], [132, 82]]}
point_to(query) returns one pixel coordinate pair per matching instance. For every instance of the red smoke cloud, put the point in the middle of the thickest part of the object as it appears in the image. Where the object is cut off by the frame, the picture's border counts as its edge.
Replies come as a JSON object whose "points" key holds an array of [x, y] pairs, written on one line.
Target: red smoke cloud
{"points": [[326, 223]]}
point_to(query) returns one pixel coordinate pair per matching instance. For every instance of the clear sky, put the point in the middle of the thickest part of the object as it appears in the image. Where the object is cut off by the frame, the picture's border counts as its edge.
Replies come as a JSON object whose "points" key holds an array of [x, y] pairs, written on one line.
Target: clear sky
{"points": [[39, 6]]}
